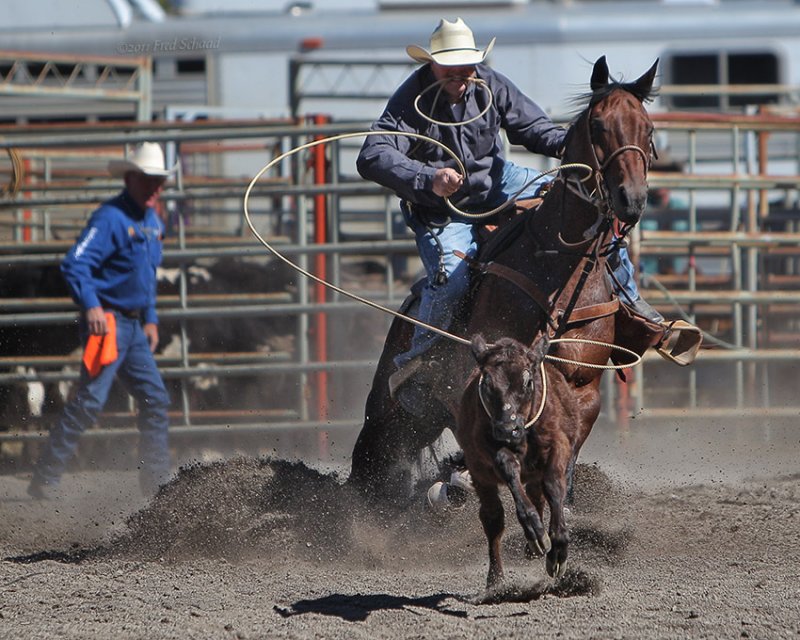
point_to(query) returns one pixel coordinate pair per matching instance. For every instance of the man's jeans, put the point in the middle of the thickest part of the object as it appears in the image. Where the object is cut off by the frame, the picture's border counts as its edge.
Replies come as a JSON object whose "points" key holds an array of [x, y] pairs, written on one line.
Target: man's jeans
{"points": [[137, 369], [438, 301], [625, 285]]}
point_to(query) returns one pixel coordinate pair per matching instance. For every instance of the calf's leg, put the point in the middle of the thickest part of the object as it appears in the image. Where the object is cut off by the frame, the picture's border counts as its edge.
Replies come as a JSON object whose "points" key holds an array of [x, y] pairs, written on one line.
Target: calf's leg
{"points": [[508, 467]]}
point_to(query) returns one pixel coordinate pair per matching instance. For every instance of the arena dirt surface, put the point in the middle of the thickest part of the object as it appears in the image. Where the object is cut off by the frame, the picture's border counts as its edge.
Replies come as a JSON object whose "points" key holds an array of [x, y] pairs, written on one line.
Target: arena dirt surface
{"points": [[251, 548]]}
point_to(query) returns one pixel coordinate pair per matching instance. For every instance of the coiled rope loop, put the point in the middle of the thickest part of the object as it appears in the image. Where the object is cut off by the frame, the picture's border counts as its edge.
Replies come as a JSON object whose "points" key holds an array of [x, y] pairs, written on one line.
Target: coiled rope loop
{"points": [[397, 314]]}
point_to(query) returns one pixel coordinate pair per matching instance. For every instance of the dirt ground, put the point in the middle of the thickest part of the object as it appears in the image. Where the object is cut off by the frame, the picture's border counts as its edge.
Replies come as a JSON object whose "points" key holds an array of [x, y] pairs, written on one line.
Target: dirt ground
{"points": [[672, 538]]}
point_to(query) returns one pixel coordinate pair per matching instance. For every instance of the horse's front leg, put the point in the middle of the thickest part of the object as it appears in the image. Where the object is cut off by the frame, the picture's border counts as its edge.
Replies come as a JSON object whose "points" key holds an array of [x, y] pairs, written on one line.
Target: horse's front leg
{"points": [[555, 490], [509, 468], [493, 521]]}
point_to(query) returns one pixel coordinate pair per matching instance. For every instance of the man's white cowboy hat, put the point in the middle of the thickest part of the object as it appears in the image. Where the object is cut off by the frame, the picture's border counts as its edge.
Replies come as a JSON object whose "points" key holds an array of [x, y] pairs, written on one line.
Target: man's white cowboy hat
{"points": [[452, 45], [146, 158]]}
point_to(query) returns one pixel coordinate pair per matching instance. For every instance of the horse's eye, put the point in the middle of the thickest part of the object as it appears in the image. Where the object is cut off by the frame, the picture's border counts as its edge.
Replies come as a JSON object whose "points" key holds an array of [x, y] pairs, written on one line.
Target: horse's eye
{"points": [[597, 126]]}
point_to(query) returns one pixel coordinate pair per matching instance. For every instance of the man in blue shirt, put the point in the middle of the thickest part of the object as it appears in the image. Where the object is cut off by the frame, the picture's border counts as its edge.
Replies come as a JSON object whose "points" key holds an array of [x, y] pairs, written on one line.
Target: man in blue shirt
{"points": [[111, 269]]}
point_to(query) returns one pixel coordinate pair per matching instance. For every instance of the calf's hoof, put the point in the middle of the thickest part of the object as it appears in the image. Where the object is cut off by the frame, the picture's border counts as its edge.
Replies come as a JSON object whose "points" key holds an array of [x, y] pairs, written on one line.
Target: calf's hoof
{"points": [[535, 549]]}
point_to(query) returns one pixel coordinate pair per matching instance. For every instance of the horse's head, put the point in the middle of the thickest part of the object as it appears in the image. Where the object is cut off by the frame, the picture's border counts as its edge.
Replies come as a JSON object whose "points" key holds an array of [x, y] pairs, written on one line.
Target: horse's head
{"points": [[619, 134], [507, 384]]}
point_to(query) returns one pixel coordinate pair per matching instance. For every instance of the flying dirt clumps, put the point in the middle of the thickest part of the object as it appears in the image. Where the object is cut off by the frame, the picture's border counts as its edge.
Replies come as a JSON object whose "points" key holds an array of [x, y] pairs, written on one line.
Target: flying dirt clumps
{"points": [[240, 508]]}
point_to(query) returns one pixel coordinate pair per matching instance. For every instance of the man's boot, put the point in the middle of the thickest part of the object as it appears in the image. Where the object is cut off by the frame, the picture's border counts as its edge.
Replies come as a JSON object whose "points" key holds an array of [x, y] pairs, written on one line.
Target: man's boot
{"points": [[642, 308]]}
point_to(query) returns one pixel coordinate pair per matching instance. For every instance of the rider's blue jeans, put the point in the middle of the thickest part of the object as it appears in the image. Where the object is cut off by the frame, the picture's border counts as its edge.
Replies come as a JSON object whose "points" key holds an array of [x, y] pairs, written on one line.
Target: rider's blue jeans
{"points": [[137, 369], [438, 301], [624, 273]]}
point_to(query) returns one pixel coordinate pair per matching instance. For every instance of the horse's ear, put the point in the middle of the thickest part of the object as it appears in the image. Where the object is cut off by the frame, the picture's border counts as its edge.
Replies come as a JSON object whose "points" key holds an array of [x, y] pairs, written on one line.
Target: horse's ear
{"points": [[644, 85], [478, 346], [599, 74]]}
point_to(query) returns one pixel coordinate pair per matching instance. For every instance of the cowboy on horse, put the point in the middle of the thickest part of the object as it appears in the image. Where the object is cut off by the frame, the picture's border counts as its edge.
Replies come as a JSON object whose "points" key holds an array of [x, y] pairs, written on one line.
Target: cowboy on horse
{"points": [[466, 113]]}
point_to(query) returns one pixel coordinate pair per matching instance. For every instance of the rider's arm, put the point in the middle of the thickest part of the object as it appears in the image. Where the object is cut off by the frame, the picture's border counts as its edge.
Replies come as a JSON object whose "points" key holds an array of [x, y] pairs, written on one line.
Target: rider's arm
{"points": [[524, 121], [383, 158]]}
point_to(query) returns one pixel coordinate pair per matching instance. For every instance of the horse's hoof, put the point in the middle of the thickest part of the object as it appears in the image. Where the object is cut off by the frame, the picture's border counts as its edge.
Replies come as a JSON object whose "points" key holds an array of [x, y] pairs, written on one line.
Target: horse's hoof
{"points": [[436, 498], [462, 479], [555, 568]]}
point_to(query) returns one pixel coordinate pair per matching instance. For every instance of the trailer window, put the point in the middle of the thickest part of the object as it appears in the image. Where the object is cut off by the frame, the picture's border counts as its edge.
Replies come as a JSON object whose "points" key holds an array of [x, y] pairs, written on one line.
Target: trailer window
{"points": [[722, 68], [194, 65]]}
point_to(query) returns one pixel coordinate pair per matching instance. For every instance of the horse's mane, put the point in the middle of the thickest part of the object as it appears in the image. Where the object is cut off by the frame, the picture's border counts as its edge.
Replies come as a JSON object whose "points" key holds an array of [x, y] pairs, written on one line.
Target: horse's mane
{"points": [[587, 99]]}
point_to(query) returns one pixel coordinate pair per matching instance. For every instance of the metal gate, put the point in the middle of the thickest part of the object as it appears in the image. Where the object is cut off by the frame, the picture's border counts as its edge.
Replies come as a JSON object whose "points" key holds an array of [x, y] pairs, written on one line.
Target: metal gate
{"points": [[734, 206]]}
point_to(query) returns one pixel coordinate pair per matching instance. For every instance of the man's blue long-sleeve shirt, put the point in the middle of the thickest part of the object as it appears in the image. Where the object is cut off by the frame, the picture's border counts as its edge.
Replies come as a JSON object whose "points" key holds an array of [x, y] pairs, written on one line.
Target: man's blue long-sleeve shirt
{"points": [[407, 166], [114, 261]]}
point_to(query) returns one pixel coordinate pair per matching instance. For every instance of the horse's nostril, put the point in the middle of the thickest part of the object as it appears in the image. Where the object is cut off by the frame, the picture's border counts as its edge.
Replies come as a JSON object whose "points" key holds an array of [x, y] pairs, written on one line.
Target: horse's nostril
{"points": [[623, 197]]}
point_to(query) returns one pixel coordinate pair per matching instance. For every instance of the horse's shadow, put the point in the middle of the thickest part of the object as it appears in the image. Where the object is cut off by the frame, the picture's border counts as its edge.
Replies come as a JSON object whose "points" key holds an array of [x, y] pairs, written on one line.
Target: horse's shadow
{"points": [[358, 607]]}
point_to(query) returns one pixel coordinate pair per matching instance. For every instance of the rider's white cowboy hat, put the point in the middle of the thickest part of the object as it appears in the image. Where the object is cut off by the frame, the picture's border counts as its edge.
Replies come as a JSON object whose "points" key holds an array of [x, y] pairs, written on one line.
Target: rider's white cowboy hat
{"points": [[146, 158], [452, 45]]}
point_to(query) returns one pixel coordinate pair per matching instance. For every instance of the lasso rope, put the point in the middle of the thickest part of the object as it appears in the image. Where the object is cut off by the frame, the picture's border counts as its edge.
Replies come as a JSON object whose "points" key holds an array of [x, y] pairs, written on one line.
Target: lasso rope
{"points": [[543, 372], [397, 314], [636, 360], [17, 172], [540, 410], [440, 83], [487, 214], [308, 274], [485, 87]]}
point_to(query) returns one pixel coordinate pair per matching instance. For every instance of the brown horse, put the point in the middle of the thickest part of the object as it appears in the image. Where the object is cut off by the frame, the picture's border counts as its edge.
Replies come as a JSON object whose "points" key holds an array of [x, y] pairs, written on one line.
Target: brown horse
{"points": [[544, 273]]}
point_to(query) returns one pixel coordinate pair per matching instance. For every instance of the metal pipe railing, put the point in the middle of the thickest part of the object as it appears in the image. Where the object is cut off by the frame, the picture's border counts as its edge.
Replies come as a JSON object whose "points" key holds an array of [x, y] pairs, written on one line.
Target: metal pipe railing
{"points": [[744, 244]]}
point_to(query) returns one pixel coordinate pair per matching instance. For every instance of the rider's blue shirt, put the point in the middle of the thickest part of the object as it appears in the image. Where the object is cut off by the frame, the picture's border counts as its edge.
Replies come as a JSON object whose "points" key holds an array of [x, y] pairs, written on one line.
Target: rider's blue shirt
{"points": [[407, 166], [114, 261]]}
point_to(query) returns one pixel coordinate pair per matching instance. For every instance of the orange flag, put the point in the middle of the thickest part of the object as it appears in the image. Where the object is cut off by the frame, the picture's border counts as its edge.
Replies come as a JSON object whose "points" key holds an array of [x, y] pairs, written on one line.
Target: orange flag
{"points": [[101, 350]]}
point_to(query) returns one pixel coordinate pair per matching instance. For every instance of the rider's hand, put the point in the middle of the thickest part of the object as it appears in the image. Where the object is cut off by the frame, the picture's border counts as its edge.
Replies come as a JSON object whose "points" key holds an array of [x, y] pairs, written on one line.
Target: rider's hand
{"points": [[446, 182]]}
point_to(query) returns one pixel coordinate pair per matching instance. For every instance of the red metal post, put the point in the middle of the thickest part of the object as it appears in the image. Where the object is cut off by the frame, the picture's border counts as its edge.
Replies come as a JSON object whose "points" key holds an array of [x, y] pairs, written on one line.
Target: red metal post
{"points": [[320, 269]]}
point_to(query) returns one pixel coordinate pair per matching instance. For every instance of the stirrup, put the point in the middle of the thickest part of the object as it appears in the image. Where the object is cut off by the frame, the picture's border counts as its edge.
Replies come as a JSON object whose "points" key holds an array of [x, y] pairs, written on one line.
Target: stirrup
{"points": [[681, 342]]}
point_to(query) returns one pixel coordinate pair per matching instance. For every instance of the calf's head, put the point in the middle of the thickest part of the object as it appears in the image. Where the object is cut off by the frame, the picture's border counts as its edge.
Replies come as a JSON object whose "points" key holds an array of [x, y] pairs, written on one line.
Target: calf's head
{"points": [[507, 386]]}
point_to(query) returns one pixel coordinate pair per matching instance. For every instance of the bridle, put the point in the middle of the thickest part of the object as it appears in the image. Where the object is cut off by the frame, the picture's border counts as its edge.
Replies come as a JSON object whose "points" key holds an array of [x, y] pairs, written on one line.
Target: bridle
{"points": [[599, 197]]}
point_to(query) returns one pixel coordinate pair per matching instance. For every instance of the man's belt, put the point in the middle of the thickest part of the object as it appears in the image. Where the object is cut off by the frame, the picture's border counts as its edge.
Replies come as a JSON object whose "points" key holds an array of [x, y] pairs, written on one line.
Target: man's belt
{"points": [[132, 314]]}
